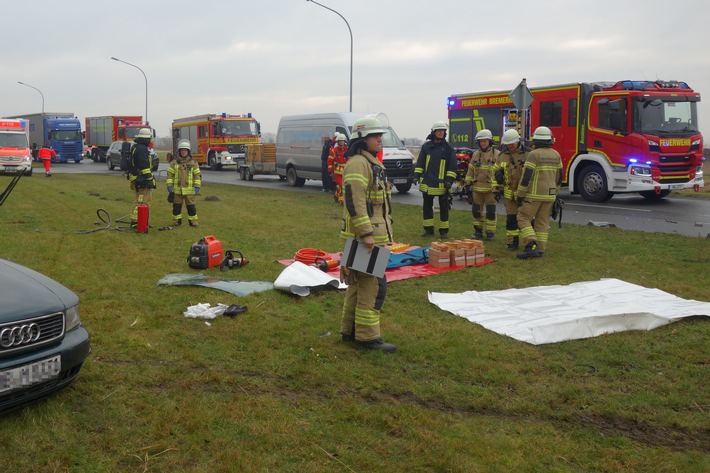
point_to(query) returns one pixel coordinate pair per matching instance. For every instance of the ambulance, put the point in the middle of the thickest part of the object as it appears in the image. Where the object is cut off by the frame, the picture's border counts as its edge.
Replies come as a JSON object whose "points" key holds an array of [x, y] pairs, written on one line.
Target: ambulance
{"points": [[15, 155]]}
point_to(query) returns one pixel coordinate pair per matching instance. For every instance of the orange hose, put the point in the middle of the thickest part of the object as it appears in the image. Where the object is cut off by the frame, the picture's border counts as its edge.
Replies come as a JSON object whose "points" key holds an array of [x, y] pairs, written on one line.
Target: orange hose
{"points": [[311, 255]]}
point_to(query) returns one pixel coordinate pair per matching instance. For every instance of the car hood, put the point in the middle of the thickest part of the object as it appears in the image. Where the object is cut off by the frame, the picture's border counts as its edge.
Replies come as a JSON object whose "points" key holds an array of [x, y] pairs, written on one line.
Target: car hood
{"points": [[26, 293]]}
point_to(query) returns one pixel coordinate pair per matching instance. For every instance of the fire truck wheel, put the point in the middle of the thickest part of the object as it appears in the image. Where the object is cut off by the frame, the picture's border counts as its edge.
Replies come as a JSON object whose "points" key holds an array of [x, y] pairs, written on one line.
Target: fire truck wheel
{"points": [[212, 161], [592, 184], [242, 176], [248, 174]]}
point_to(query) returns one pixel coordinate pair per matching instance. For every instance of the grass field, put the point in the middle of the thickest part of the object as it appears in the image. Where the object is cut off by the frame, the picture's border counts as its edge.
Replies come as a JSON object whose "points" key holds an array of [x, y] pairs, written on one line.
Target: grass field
{"points": [[275, 390]]}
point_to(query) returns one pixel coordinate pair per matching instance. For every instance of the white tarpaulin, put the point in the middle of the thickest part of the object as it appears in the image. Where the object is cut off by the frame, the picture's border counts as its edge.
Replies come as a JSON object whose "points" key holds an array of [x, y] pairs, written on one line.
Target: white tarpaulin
{"points": [[548, 314], [299, 278]]}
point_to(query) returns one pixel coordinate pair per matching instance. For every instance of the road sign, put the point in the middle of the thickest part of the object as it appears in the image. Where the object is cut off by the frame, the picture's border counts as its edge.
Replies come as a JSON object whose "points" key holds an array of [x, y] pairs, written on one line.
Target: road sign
{"points": [[521, 96]]}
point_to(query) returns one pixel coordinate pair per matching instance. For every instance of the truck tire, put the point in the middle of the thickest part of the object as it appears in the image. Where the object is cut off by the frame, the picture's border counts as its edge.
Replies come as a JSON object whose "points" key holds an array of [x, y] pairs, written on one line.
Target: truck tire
{"points": [[212, 161], [95, 155], [248, 174], [242, 174], [403, 188], [293, 179], [652, 195], [592, 184]]}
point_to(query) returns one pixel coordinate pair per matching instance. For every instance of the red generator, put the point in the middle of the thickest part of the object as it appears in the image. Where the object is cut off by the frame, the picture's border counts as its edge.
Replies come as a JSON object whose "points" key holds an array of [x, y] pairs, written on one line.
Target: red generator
{"points": [[205, 254]]}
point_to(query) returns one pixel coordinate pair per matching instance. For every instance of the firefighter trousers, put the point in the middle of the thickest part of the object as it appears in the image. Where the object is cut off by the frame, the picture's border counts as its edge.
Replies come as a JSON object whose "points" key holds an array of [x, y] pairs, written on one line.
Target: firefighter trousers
{"points": [[143, 195], [428, 211], [484, 202], [511, 222], [540, 212], [364, 298]]}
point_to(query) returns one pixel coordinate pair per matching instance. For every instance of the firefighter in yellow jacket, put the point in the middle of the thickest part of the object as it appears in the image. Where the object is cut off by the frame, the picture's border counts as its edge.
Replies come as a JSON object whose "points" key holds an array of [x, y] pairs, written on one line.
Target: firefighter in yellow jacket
{"points": [[542, 177], [366, 216], [480, 178], [508, 174], [184, 182]]}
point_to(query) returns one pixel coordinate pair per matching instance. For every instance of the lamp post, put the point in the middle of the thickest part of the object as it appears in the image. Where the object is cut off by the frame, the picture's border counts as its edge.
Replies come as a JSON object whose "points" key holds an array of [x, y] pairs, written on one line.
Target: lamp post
{"points": [[146, 84], [351, 49], [40, 93]]}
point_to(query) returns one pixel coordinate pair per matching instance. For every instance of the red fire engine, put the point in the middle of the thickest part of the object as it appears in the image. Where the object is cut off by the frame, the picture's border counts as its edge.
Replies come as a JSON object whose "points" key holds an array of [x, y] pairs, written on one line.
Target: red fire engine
{"points": [[217, 140], [614, 137]]}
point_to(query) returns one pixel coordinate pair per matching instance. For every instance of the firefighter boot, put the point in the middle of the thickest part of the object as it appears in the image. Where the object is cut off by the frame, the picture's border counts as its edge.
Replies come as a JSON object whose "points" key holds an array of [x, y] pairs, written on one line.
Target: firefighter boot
{"points": [[513, 245], [177, 223], [477, 233], [376, 344], [490, 235], [428, 231], [443, 234], [530, 251]]}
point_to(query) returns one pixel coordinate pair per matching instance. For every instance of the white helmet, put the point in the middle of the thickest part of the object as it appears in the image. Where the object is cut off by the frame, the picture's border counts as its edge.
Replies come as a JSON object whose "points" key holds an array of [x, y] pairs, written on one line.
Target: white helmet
{"points": [[484, 135], [439, 126], [184, 144], [542, 133], [510, 137], [145, 133], [367, 126], [341, 137]]}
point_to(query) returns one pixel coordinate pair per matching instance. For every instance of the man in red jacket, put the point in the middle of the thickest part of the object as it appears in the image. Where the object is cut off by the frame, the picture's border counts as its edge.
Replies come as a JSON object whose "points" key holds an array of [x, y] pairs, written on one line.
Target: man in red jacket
{"points": [[46, 154]]}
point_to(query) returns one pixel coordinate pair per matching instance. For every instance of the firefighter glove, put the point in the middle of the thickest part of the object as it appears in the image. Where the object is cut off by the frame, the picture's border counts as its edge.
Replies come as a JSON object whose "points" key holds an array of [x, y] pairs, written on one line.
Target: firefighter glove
{"points": [[170, 189], [346, 276], [498, 195], [500, 177], [519, 201], [197, 190], [447, 185]]}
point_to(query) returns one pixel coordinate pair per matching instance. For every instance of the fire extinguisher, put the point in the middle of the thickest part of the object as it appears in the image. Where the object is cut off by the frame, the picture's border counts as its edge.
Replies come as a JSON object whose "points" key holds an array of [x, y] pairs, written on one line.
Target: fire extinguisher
{"points": [[142, 225]]}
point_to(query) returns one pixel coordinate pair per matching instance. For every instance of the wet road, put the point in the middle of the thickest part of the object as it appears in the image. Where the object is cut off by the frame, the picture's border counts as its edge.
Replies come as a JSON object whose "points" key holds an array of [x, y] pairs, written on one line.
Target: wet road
{"points": [[681, 215]]}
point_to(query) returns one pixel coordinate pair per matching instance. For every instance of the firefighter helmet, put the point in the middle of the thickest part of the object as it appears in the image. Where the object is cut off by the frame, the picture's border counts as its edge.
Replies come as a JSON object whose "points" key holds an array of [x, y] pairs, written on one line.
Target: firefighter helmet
{"points": [[145, 133], [542, 133], [510, 137], [439, 126], [342, 137], [367, 126], [484, 135], [184, 144]]}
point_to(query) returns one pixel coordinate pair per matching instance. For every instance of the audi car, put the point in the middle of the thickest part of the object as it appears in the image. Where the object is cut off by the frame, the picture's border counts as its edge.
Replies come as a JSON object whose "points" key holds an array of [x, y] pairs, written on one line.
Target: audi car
{"points": [[43, 342], [113, 156]]}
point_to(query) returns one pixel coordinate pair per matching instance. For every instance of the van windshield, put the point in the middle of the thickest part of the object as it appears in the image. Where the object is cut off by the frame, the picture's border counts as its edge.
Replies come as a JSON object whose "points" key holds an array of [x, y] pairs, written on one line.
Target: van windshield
{"points": [[13, 140]]}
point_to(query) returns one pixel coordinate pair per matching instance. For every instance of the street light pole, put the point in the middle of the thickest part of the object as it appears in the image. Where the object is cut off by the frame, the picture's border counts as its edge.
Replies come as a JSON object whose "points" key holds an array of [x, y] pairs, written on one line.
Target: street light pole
{"points": [[40, 93], [351, 48], [146, 84]]}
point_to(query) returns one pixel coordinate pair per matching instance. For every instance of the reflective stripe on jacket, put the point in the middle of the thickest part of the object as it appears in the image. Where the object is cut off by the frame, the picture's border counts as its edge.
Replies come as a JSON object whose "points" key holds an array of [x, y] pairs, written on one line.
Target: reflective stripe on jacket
{"points": [[481, 169], [184, 176], [542, 175], [512, 162]]}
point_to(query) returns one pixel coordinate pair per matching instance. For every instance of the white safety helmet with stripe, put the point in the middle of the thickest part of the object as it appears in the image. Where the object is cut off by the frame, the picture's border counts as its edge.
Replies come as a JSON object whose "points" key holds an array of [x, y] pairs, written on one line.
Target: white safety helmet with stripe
{"points": [[341, 137], [484, 135], [367, 126], [184, 144], [145, 133], [440, 125], [510, 137]]}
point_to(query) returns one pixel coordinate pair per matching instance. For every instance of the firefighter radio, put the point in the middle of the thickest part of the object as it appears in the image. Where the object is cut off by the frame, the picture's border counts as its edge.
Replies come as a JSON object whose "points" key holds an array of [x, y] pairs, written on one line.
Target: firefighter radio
{"points": [[206, 253]]}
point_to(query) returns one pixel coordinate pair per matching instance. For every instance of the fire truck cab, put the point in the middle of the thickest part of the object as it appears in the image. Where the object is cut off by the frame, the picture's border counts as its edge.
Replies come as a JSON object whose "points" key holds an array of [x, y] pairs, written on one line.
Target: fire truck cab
{"points": [[15, 155], [216, 140], [614, 137]]}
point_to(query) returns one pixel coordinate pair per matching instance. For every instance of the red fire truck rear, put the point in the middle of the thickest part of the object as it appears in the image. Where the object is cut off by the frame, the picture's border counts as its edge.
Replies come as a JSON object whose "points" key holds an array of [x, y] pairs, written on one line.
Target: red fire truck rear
{"points": [[217, 140], [614, 137], [102, 131], [15, 155]]}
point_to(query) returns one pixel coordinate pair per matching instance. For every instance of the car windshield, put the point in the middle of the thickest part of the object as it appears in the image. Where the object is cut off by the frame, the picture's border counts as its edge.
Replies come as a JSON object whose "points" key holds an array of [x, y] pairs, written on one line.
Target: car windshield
{"points": [[665, 115], [238, 128], [13, 140]]}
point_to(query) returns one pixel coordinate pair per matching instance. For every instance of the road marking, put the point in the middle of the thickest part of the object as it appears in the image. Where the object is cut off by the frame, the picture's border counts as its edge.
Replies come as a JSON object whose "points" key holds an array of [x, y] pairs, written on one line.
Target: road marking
{"points": [[609, 207]]}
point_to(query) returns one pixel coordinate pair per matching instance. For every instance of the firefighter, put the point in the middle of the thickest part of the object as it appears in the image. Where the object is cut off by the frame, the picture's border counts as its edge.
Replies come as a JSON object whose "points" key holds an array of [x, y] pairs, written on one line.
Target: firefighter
{"points": [[541, 179], [184, 181], [140, 174], [507, 174], [366, 216], [336, 164], [326, 182], [46, 153], [436, 172], [480, 180]]}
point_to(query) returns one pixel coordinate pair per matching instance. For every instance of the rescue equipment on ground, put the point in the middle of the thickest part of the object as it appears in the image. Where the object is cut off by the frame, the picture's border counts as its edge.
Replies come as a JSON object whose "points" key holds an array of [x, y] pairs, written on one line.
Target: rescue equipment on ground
{"points": [[557, 211], [142, 223], [317, 258], [231, 260], [205, 253]]}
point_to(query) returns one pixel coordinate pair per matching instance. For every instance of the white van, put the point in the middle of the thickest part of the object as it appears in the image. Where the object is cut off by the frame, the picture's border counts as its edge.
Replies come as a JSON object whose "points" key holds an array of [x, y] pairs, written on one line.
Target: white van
{"points": [[299, 142]]}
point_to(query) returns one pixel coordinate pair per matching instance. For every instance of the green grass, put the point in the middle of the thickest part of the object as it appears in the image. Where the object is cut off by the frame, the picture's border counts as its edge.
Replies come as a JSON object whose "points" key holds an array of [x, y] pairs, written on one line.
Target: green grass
{"points": [[275, 390]]}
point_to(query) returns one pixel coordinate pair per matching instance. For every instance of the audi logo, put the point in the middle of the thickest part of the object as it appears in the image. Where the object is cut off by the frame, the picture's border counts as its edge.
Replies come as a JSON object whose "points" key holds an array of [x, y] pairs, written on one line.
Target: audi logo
{"points": [[19, 335]]}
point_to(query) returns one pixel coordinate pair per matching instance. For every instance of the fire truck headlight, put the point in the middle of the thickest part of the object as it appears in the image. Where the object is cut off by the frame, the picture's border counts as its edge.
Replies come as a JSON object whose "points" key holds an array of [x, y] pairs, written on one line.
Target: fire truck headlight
{"points": [[639, 170], [653, 146], [695, 145]]}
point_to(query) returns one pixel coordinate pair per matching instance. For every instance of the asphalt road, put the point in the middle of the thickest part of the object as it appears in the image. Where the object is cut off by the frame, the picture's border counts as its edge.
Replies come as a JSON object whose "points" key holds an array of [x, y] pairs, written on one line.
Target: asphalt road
{"points": [[681, 215]]}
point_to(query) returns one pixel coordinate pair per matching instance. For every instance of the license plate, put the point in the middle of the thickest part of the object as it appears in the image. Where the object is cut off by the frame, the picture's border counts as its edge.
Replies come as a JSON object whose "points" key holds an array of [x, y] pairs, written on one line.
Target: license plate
{"points": [[676, 186], [10, 169], [399, 181], [28, 375]]}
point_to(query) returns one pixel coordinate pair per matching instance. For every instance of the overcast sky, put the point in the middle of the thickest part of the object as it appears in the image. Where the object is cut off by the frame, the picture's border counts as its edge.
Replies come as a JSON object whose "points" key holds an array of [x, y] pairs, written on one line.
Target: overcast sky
{"points": [[282, 57]]}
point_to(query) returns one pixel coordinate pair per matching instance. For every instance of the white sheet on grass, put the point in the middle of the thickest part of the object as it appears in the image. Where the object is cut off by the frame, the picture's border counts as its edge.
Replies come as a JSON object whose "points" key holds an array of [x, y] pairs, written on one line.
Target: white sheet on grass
{"points": [[548, 314], [299, 279]]}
